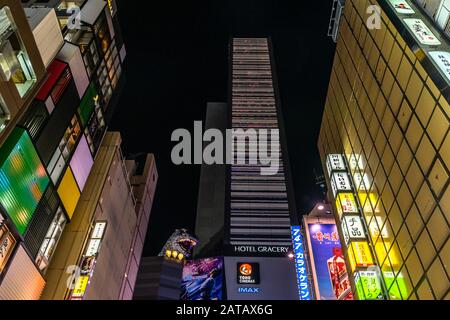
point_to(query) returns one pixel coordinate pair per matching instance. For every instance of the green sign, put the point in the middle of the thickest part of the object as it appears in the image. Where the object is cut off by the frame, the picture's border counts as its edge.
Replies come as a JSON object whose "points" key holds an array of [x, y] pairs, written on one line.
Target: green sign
{"points": [[368, 285]]}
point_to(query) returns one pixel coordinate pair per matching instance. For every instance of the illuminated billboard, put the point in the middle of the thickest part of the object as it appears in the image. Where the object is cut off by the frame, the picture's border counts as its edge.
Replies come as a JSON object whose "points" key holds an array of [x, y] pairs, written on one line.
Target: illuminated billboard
{"points": [[327, 262], [360, 255], [23, 179], [202, 279], [368, 285], [300, 264]]}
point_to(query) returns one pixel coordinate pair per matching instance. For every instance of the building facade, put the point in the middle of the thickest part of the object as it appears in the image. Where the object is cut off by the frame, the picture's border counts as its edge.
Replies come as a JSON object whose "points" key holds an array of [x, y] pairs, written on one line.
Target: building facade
{"points": [[61, 74], [384, 144], [100, 250], [159, 278], [259, 210]]}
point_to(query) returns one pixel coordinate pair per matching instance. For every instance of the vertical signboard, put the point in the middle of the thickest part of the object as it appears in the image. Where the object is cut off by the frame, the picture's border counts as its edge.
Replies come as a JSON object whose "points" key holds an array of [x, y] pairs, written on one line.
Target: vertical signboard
{"points": [[300, 264], [349, 186], [89, 260], [329, 270]]}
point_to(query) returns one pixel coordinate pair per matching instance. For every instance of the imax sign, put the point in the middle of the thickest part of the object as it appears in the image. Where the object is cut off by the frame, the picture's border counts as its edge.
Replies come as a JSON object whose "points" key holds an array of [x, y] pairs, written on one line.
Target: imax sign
{"points": [[249, 290]]}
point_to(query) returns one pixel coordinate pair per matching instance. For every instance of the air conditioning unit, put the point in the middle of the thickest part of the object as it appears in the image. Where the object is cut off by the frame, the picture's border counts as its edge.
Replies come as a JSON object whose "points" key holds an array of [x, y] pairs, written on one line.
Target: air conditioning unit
{"points": [[9, 64]]}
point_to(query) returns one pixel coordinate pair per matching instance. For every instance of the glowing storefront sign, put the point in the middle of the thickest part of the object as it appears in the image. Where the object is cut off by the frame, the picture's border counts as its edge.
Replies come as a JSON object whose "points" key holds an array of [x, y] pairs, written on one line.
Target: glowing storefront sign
{"points": [[89, 260], [340, 182], [346, 203], [368, 285], [422, 33], [354, 228], [300, 264], [360, 255], [402, 7], [442, 59], [335, 162], [80, 287]]}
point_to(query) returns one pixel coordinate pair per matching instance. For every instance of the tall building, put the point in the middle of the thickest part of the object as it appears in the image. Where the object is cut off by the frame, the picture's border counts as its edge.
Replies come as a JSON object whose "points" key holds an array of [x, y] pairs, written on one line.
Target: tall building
{"points": [[384, 144], [99, 252], [243, 215], [60, 77]]}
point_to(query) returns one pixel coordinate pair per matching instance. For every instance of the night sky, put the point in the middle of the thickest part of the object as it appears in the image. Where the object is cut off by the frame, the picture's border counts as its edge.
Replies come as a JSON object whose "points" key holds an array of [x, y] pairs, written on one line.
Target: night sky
{"points": [[178, 61]]}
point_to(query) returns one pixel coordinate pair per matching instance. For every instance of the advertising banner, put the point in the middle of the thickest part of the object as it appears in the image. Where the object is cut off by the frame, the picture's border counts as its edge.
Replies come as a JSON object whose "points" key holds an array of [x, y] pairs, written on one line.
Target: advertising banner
{"points": [[202, 280], [330, 272]]}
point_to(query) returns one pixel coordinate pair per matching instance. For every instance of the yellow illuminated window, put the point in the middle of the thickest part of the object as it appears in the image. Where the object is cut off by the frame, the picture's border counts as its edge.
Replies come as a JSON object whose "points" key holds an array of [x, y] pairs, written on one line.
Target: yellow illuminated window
{"points": [[69, 193]]}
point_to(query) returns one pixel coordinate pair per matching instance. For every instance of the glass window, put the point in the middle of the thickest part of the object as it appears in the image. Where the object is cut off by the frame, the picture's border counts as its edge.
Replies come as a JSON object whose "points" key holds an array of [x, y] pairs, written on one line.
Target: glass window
{"points": [[15, 63], [51, 240]]}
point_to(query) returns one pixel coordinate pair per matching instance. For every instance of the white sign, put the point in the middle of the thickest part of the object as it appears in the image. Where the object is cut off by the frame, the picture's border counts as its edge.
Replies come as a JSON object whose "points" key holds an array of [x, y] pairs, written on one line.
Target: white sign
{"points": [[335, 162], [99, 230], [422, 33], [402, 6], [355, 227], [442, 59], [342, 182], [93, 247]]}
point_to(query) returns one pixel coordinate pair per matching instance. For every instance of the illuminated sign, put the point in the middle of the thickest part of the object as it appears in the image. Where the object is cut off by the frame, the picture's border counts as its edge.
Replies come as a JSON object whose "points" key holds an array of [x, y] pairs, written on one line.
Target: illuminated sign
{"points": [[355, 228], [401, 6], [422, 33], [346, 203], [335, 162], [368, 285], [329, 270], [442, 59], [87, 265], [89, 259], [99, 230], [248, 273], [7, 245], [249, 290], [360, 255], [261, 249], [340, 182], [80, 287], [300, 264], [93, 247]]}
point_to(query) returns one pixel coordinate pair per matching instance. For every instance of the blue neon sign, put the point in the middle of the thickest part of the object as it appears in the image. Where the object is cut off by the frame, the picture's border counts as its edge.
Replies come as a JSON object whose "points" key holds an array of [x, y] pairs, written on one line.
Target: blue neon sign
{"points": [[300, 264]]}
